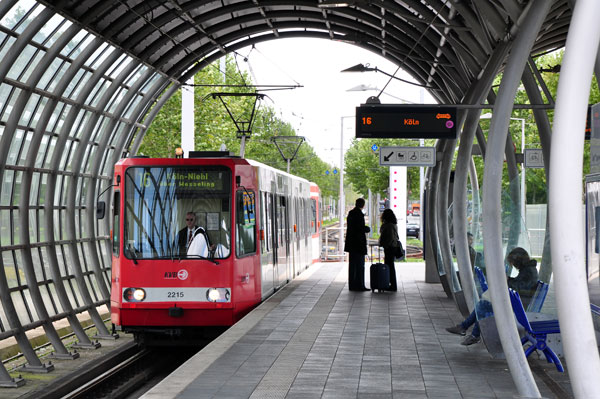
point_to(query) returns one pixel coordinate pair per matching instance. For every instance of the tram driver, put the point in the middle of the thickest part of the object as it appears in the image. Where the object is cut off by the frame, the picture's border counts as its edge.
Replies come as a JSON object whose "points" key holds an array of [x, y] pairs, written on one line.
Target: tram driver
{"points": [[193, 240]]}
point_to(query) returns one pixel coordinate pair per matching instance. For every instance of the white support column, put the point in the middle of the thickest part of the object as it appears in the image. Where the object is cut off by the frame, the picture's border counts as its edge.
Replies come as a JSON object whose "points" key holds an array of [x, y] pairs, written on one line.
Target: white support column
{"points": [[566, 174], [492, 178], [341, 195], [398, 198], [421, 191], [187, 118], [523, 193]]}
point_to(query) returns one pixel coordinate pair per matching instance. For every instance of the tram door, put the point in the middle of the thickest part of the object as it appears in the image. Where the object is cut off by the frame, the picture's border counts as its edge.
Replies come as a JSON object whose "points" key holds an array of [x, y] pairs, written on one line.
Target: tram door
{"points": [[283, 240], [268, 243], [297, 255]]}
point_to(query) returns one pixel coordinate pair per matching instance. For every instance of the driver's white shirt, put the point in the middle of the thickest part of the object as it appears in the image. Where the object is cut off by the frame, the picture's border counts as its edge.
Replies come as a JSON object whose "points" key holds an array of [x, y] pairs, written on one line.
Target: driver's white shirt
{"points": [[198, 246]]}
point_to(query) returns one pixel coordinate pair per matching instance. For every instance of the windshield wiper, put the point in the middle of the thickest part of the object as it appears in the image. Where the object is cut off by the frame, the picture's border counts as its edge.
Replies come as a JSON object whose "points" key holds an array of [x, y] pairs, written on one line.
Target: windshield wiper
{"points": [[210, 258], [132, 254]]}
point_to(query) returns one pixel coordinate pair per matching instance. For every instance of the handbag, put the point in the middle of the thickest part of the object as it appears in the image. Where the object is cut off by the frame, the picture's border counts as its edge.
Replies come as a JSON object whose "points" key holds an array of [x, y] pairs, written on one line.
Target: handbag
{"points": [[399, 251]]}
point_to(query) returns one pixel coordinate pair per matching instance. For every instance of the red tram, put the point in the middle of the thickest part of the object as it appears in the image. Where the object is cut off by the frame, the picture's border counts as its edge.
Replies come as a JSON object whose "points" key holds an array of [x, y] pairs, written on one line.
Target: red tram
{"points": [[253, 232]]}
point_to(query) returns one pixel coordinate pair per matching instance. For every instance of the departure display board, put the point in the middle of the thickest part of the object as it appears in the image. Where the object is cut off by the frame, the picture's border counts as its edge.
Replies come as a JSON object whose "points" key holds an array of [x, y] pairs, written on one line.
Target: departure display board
{"points": [[406, 121]]}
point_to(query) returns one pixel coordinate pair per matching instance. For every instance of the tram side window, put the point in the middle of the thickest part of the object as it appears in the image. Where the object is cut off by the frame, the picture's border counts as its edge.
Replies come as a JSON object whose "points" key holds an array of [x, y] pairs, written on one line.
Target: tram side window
{"points": [[313, 218], [116, 223], [298, 217], [302, 218], [245, 223], [263, 220], [266, 212], [305, 219]]}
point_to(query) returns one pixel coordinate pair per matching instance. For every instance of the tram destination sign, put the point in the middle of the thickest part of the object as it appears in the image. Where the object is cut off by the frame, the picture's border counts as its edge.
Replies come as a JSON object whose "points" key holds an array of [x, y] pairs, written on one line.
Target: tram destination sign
{"points": [[181, 179], [406, 121]]}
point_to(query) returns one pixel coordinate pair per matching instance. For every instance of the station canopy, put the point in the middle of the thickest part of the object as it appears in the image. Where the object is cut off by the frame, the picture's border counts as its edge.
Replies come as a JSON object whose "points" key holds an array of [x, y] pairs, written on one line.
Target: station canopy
{"points": [[443, 44], [81, 81]]}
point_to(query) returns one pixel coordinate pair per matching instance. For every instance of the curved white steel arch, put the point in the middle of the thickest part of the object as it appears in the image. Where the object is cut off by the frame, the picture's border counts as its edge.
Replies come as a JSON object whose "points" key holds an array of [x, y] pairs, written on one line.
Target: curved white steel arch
{"points": [[566, 174], [492, 236]]}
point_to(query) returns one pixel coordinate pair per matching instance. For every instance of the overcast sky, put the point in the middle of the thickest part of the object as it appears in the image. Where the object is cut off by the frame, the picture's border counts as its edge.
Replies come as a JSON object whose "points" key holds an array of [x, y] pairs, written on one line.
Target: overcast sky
{"points": [[315, 110]]}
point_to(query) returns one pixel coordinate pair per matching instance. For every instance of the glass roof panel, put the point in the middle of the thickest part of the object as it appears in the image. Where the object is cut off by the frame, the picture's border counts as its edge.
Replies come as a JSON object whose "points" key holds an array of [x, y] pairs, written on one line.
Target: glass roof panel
{"points": [[52, 75], [50, 32], [77, 44], [19, 14]]}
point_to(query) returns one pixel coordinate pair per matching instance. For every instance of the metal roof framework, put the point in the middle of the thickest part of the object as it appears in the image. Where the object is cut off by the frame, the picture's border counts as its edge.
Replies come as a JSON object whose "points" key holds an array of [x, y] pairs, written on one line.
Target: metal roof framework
{"points": [[81, 80], [442, 44]]}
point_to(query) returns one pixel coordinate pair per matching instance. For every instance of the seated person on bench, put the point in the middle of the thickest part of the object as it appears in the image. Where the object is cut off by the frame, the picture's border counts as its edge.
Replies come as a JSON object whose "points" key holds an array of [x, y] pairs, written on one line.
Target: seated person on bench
{"points": [[525, 284]]}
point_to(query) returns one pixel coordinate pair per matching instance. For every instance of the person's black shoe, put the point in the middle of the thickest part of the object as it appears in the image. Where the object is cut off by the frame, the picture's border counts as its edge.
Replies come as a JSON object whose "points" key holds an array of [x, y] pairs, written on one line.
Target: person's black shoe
{"points": [[366, 289], [457, 329], [470, 340]]}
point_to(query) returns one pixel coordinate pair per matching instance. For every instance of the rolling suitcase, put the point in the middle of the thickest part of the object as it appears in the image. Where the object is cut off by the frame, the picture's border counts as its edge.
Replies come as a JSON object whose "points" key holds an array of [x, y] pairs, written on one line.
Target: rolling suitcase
{"points": [[380, 275]]}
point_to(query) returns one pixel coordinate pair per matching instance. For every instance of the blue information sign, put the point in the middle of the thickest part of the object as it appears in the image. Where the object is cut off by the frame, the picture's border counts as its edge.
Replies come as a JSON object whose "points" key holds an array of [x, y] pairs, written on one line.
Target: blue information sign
{"points": [[374, 147]]}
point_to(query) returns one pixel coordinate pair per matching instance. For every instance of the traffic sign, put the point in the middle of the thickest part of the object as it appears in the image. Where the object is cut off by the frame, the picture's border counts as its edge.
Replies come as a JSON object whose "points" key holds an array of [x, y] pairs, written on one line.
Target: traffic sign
{"points": [[374, 147], [407, 156], [534, 158]]}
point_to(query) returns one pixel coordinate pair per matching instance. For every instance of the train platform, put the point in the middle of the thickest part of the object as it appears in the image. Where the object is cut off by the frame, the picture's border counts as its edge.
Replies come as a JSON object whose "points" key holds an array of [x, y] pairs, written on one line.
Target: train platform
{"points": [[316, 339]]}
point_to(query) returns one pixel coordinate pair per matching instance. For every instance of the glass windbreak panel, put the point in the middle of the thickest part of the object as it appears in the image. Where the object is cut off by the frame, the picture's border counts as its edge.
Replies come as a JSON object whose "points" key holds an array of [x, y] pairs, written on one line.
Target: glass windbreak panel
{"points": [[454, 281], [177, 212], [13, 275], [592, 200], [20, 307], [521, 264], [514, 230]]}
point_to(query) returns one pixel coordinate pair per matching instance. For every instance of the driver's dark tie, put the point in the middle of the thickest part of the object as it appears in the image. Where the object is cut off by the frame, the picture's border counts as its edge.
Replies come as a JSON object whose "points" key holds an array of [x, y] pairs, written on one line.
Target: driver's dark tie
{"points": [[190, 238]]}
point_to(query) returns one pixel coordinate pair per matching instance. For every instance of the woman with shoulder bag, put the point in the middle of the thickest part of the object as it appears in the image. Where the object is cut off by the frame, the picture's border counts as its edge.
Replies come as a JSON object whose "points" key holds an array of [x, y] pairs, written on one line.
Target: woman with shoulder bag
{"points": [[388, 239]]}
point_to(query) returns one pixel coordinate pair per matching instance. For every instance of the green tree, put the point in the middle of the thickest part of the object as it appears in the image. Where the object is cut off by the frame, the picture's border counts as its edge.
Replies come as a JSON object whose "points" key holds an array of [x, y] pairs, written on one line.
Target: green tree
{"points": [[214, 127], [537, 192]]}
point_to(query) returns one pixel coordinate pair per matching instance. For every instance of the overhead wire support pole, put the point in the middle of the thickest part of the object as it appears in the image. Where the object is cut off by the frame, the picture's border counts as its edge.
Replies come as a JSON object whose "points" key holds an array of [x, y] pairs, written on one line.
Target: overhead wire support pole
{"points": [[244, 128], [341, 195], [296, 141]]}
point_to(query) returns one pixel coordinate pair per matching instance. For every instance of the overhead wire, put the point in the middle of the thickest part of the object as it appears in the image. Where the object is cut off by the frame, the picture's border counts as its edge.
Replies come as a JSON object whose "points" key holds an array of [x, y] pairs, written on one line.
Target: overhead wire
{"points": [[176, 42], [437, 13]]}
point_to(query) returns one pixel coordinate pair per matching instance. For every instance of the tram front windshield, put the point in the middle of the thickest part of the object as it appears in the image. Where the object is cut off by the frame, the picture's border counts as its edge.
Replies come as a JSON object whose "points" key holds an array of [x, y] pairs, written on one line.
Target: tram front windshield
{"points": [[160, 200]]}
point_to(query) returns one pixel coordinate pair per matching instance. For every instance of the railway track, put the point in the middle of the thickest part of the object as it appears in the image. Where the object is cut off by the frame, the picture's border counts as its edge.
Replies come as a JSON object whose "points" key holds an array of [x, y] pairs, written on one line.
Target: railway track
{"points": [[118, 374]]}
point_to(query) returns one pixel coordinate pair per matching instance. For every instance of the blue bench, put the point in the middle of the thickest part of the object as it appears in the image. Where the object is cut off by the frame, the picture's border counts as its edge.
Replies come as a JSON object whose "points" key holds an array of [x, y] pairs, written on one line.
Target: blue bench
{"points": [[535, 331], [483, 287], [537, 301]]}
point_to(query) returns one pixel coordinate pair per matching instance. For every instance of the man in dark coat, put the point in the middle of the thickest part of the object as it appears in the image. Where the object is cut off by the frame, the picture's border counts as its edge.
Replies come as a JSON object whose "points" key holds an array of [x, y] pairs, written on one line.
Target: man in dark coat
{"points": [[356, 246]]}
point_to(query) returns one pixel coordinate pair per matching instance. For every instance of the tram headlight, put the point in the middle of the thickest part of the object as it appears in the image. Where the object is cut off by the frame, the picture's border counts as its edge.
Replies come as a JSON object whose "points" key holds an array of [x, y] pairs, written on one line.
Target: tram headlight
{"points": [[134, 294], [218, 295]]}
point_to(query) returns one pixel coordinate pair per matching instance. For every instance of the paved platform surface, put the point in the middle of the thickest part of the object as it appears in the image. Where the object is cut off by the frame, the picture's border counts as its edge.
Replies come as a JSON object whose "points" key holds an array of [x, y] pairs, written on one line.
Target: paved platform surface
{"points": [[316, 339]]}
